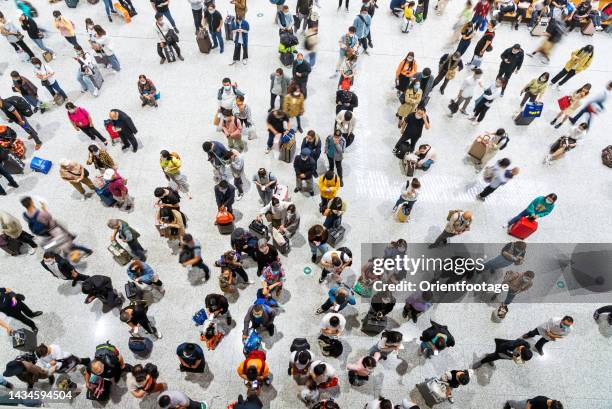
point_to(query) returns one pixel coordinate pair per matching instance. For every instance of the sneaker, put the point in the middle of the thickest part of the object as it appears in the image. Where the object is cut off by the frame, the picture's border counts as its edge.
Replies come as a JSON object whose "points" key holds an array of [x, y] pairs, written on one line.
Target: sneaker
{"points": [[176, 29], [268, 150], [321, 279], [43, 110], [36, 313], [239, 196], [158, 334], [244, 62], [83, 91], [547, 160], [233, 62], [311, 193], [596, 316], [313, 258], [180, 57], [507, 406], [35, 110], [480, 198], [163, 60], [51, 379], [110, 19], [451, 400], [96, 92], [228, 320], [319, 311], [463, 112], [143, 104]]}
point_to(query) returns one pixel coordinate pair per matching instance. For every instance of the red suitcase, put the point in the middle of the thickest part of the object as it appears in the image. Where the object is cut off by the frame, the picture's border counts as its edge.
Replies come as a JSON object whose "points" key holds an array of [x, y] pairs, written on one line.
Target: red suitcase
{"points": [[523, 228]]}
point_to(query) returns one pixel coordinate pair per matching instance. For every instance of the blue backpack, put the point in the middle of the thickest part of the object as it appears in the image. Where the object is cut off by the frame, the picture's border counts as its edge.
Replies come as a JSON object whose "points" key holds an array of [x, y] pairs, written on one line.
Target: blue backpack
{"points": [[286, 138], [252, 343]]}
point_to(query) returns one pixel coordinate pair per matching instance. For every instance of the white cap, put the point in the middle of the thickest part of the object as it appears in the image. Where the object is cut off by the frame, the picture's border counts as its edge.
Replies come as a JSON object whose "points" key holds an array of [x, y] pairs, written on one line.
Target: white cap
{"points": [[108, 174], [64, 162]]}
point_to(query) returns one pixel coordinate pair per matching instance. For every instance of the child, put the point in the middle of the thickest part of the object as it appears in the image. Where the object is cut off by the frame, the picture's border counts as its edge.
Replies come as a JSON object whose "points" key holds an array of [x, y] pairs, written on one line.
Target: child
{"points": [[409, 17]]}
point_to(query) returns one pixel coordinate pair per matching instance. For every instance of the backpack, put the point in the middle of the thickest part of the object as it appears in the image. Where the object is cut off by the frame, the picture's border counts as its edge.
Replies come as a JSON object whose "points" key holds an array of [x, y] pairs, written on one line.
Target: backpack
{"points": [[107, 353], [288, 39], [606, 156], [35, 225], [326, 404], [252, 343], [503, 142], [299, 344], [21, 105], [255, 354]]}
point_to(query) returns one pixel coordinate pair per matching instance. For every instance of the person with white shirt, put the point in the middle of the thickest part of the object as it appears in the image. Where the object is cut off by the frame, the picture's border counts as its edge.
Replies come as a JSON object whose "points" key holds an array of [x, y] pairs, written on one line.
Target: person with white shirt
{"points": [[178, 400], [162, 28], [552, 330], [87, 70], [196, 11], [409, 195], [275, 211], [566, 143], [332, 324], [466, 92], [53, 359], [14, 36], [484, 102], [497, 175], [103, 45], [334, 262], [46, 75]]}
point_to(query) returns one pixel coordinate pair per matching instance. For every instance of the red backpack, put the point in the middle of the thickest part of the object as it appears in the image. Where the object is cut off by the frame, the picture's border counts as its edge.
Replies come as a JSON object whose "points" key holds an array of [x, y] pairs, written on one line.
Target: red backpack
{"points": [[255, 354]]}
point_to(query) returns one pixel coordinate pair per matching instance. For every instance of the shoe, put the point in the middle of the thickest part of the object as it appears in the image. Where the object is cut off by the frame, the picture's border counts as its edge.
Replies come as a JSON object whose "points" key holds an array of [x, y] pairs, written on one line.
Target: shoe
{"points": [[180, 57], [32, 251], [163, 60], [125, 147], [176, 29], [51, 379], [74, 283], [83, 91], [35, 110], [525, 336], [43, 110], [158, 334], [321, 279], [441, 91], [341, 183], [540, 351], [36, 313], [244, 62], [34, 330], [480, 198], [228, 320], [319, 311], [477, 365], [558, 126], [268, 150], [233, 62], [547, 160], [596, 316], [96, 92], [300, 130], [313, 258], [14, 184], [366, 52], [297, 189], [463, 112], [143, 104], [9, 385], [89, 299], [370, 45], [451, 400], [239, 196], [110, 19], [311, 193], [507, 406]]}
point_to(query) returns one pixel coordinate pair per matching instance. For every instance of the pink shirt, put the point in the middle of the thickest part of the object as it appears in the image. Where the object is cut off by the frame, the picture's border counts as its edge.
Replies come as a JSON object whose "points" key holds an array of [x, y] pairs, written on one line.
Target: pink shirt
{"points": [[79, 118]]}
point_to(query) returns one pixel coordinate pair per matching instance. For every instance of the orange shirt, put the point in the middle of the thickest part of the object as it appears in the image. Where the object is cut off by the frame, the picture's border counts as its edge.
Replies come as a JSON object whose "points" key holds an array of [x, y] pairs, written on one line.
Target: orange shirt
{"points": [[404, 69], [258, 363]]}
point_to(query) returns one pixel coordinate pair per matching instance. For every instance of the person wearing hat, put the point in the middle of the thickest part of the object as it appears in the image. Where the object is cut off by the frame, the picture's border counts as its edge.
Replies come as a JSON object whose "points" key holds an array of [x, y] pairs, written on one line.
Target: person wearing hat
{"points": [[305, 167], [264, 255], [517, 350], [76, 175], [27, 372], [116, 185], [512, 59]]}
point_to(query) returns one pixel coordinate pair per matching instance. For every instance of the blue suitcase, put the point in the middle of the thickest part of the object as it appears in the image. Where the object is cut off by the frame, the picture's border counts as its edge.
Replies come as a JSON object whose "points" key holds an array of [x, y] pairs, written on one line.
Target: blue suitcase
{"points": [[40, 165]]}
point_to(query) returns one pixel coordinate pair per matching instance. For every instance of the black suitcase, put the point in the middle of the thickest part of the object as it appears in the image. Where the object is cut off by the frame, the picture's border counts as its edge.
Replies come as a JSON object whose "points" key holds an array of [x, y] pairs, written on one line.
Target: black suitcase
{"points": [[335, 236], [10, 245], [453, 106], [296, 23], [522, 120], [132, 291], [24, 340], [373, 326], [430, 398], [169, 54], [330, 346], [299, 344], [402, 150], [259, 230], [12, 164]]}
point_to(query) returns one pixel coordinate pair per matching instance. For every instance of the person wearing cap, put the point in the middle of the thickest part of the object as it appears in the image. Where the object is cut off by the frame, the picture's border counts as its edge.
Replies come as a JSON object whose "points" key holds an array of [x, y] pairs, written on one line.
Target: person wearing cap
{"points": [[512, 60], [81, 121], [116, 185], [517, 350], [76, 175], [305, 167]]}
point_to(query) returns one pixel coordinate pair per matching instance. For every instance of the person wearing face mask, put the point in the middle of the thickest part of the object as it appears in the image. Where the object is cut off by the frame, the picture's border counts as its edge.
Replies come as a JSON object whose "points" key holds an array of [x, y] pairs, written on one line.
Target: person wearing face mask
{"points": [[14, 36], [279, 82], [163, 7], [412, 129], [65, 27], [449, 65], [242, 112], [61, 268], [214, 21], [540, 206], [497, 176], [362, 24], [293, 105], [276, 127], [534, 90], [409, 99], [232, 129], [81, 121], [29, 26], [458, 222], [346, 100], [148, 92], [348, 46], [301, 70], [517, 350], [290, 223], [46, 75], [100, 158], [88, 74], [27, 90], [225, 195], [517, 283], [237, 169], [405, 71], [408, 196], [512, 60], [466, 91], [426, 81], [305, 167], [275, 211], [226, 98], [266, 183], [284, 19], [312, 141], [484, 102], [552, 330], [334, 149], [168, 40], [240, 27]]}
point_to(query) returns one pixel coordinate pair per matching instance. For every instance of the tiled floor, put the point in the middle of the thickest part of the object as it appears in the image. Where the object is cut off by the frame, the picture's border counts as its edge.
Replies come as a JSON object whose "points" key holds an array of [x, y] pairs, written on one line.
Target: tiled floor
{"points": [[575, 370]]}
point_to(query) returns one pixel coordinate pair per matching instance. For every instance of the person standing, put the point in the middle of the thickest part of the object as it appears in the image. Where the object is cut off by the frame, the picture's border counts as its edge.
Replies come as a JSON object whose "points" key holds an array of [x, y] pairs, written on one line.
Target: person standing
{"points": [[484, 44], [448, 67], [29, 26], [346, 100], [242, 112], [266, 183], [214, 20], [572, 103], [14, 36], [552, 330], [3, 172], [102, 44], [225, 195], [170, 163], [237, 169], [27, 90], [511, 253], [191, 357], [166, 38], [13, 115], [579, 61], [334, 150], [466, 91], [458, 222], [497, 175], [534, 90], [305, 167], [409, 196], [240, 8], [65, 27], [406, 70], [303, 9], [329, 183], [191, 254], [81, 121], [87, 71], [232, 129], [301, 72], [517, 282], [12, 305], [116, 186], [100, 158], [512, 60], [348, 45], [594, 106], [484, 102], [11, 227], [240, 27], [517, 350], [279, 83], [196, 11], [540, 206], [40, 222], [606, 309], [163, 7], [293, 104], [46, 75], [276, 127], [413, 129], [124, 126], [362, 24], [76, 175], [481, 12], [126, 233]]}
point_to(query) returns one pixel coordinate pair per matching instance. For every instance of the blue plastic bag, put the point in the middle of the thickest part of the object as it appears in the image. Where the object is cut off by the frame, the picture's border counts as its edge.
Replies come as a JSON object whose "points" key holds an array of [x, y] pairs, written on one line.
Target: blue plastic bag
{"points": [[200, 317]]}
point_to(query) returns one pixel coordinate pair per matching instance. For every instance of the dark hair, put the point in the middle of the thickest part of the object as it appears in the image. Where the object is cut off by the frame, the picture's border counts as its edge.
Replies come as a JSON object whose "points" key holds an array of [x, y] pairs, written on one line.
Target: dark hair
{"points": [[516, 46], [427, 295], [35, 61], [56, 13], [190, 348], [588, 48], [292, 208], [139, 372], [262, 172], [340, 298], [427, 71], [226, 79], [258, 308], [279, 71], [48, 254], [41, 350], [251, 373], [99, 30], [27, 202], [415, 183], [556, 405], [319, 369], [369, 361], [392, 336], [158, 192], [14, 74], [385, 403], [553, 196], [93, 148], [163, 401], [165, 154], [505, 162], [187, 237], [463, 378], [334, 321], [329, 175], [88, 21], [348, 115], [477, 71], [352, 29], [363, 8], [526, 354], [158, 15], [166, 213], [500, 132], [303, 357], [568, 318], [223, 184], [207, 146], [69, 105], [545, 73]]}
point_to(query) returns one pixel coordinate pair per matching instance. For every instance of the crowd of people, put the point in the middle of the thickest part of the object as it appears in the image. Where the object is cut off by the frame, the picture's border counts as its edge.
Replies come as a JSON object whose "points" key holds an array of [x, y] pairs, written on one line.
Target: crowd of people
{"points": [[267, 240]]}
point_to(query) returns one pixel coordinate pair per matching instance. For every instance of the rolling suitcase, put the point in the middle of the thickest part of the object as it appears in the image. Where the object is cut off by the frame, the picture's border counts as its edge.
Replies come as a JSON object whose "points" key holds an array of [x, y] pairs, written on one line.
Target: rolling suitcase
{"points": [[226, 228], [287, 151], [335, 235], [72, 3], [120, 255], [479, 147], [409, 164], [132, 291], [12, 164], [227, 25], [286, 59], [169, 53], [281, 243], [432, 391], [10, 245], [540, 28], [401, 213], [97, 78], [122, 11], [100, 392], [532, 111], [203, 40], [523, 228], [372, 325], [589, 29], [281, 192], [258, 229], [40, 165], [140, 345], [24, 340]]}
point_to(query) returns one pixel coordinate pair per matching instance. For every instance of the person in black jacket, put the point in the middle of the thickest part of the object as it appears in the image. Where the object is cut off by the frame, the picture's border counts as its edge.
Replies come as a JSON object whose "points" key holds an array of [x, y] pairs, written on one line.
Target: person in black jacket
{"points": [[135, 315], [28, 91], [218, 306], [264, 255], [61, 268], [512, 60], [301, 70], [382, 303], [305, 167], [346, 100], [225, 194], [312, 141], [99, 286], [29, 26], [258, 316], [13, 115], [124, 125], [518, 350], [251, 402], [12, 305], [436, 338], [449, 65]]}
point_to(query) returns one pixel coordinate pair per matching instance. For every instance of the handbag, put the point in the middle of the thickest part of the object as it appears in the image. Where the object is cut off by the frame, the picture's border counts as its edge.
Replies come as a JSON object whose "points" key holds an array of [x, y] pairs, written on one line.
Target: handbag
{"points": [[564, 102]]}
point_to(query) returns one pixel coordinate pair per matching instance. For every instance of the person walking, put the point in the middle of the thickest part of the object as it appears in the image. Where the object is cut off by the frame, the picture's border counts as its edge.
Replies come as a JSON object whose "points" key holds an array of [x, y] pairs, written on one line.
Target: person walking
{"points": [[466, 91], [65, 27], [61, 268], [102, 44], [214, 20], [484, 102], [334, 150], [3, 172], [409, 195], [237, 169], [303, 10], [28, 24], [579, 61], [484, 44], [46, 75], [517, 282], [88, 72], [496, 176], [569, 104], [293, 104], [449, 65], [512, 253], [76, 175], [467, 33], [412, 130], [279, 83], [196, 12], [552, 330], [13, 306], [167, 38], [240, 8], [305, 167], [191, 254], [28, 91], [13, 115], [148, 92], [362, 24], [124, 126], [535, 89], [540, 206], [517, 350], [81, 121], [266, 183], [345, 123], [14, 36], [348, 45], [240, 27], [242, 112], [126, 233], [40, 221], [512, 60], [163, 7], [278, 124], [301, 71], [594, 106], [566, 143], [170, 163], [142, 274], [481, 12], [538, 402], [458, 222], [11, 228], [135, 316]]}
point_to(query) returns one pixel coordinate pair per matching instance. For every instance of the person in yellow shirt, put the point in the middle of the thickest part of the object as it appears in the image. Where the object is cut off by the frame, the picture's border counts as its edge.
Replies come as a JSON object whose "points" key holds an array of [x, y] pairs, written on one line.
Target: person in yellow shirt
{"points": [[65, 27], [409, 17], [254, 369], [329, 183], [171, 166]]}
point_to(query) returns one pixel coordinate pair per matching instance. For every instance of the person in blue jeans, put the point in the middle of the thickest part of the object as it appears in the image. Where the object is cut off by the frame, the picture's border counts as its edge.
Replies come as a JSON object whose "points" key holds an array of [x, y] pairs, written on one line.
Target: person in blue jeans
{"points": [[338, 298], [108, 7], [47, 78], [7, 176], [214, 20], [540, 206], [163, 7]]}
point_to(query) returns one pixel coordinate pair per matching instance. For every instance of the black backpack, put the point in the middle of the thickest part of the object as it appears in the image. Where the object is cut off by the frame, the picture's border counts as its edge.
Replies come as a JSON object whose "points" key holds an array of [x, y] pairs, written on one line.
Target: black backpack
{"points": [[299, 344], [21, 105]]}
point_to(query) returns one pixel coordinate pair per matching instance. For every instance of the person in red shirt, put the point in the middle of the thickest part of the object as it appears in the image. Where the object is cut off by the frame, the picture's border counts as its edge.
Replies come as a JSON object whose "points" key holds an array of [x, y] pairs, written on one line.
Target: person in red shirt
{"points": [[481, 11]]}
